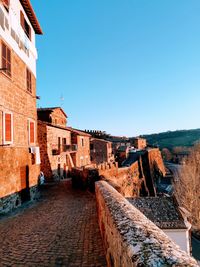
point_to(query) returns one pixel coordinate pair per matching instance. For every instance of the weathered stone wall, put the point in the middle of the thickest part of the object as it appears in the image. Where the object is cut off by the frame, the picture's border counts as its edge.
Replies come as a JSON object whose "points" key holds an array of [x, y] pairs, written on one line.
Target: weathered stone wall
{"points": [[130, 239], [48, 140], [101, 151], [15, 98], [83, 151], [156, 161], [140, 143], [126, 180], [16, 163], [58, 117], [18, 172]]}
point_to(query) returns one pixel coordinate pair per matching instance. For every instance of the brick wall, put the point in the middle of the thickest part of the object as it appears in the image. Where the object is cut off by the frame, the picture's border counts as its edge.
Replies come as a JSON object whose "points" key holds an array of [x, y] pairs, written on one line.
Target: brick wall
{"points": [[48, 140]]}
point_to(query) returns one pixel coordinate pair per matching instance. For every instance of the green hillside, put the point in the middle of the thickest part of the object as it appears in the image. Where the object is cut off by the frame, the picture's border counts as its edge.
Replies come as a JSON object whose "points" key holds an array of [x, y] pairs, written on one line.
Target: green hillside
{"points": [[184, 138]]}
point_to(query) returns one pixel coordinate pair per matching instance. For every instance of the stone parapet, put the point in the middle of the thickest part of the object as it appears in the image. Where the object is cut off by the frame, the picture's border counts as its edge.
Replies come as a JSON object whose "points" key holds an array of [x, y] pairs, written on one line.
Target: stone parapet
{"points": [[130, 239]]}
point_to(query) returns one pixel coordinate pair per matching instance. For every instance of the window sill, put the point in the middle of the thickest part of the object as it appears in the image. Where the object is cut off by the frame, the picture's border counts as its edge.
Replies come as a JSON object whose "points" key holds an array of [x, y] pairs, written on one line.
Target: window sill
{"points": [[6, 75]]}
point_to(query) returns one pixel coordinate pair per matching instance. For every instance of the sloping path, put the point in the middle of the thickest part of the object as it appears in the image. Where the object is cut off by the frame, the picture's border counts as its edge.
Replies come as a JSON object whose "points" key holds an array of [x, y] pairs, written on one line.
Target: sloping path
{"points": [[59, 230]]}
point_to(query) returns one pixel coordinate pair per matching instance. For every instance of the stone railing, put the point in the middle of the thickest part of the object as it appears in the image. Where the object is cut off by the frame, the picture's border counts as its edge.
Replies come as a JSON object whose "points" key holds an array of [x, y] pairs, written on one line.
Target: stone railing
{"points": [[129, 238]]}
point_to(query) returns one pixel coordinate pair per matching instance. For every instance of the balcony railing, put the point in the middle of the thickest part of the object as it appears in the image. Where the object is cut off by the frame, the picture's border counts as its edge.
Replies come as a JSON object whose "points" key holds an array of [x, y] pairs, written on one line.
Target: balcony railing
{"points": [[64, 148], [69, 148]]}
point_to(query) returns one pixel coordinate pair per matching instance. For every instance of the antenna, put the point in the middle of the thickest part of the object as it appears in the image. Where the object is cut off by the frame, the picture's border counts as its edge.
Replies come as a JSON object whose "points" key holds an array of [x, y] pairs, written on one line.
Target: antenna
{"points": [[61, 100]]}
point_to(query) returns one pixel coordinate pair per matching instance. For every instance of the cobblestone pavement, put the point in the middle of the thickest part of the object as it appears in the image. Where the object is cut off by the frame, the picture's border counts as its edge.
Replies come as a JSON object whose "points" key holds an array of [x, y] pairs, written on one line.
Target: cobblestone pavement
{"points": [[59, 230]]}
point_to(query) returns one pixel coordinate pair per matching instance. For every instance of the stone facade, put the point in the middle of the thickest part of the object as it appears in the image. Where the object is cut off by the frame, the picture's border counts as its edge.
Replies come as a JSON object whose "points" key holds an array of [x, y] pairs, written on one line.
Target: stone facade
{"points": [[82, 142], [55, 150], [19, 157], [18, 170], [139, 143], [101, 151], [54, 115], [130, 239]]}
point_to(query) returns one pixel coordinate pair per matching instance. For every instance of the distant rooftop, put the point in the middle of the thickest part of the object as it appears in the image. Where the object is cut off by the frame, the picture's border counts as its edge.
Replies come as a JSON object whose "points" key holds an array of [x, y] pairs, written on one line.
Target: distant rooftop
{"points": [[163, 211], [133, 157]]}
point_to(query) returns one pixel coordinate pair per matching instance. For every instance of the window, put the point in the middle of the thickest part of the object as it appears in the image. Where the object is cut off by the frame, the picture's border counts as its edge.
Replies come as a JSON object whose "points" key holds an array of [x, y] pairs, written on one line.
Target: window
{"points": [[59, 143], [25, 25], [64, 143], [82, 141], [28, 81], [7, 128], [31, 131], [6, 59], [91, 146]]}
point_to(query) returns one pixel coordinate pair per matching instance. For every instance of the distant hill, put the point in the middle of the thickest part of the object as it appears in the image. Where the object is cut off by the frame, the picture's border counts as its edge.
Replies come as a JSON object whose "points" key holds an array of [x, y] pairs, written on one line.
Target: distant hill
{"points": [[170, 139]]}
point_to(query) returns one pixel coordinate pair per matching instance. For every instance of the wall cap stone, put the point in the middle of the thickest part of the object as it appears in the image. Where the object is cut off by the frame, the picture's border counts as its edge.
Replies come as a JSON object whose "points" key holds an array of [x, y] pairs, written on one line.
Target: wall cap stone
{"points": [[145, 244]]}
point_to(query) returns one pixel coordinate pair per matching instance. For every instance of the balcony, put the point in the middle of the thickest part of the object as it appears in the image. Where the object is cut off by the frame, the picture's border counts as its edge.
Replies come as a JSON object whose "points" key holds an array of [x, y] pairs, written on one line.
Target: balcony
{"points": [[69, 148], [64, 148]]}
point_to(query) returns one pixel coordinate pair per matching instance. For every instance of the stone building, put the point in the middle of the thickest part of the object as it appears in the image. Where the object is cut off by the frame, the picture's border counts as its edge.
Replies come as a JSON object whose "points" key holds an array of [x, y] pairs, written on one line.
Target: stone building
{"points": [[82, 141], [101, 151], [19, 152], [139, 143], [56, 150], [121, 154]]}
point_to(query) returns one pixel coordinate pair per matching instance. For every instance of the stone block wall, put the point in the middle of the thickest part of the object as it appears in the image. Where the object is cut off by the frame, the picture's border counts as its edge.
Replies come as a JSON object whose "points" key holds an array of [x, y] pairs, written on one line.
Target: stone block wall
{"points": [[126, 180], [101, 151], [15, 98], [18, 171], [52, 165], [129, 238], [58, 117], [83, 151]]}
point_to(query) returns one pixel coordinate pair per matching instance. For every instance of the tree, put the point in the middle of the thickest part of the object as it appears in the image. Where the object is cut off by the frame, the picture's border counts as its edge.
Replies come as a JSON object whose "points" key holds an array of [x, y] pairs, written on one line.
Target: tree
{"points": [[166, 154], [187, 187]]}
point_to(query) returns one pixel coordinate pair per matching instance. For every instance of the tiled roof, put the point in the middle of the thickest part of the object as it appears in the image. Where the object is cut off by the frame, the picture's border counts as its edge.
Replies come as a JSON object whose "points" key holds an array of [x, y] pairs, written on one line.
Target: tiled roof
{"points": [[133, 157], [31, 15], [163, 211], [79, 132], [101, 140], [55, 126]]}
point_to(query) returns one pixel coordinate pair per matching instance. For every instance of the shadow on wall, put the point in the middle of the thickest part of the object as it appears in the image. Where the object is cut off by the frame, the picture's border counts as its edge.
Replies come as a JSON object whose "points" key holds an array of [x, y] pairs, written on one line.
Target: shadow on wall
{"points": [[25, 192], [45, 161], [84, 178]]}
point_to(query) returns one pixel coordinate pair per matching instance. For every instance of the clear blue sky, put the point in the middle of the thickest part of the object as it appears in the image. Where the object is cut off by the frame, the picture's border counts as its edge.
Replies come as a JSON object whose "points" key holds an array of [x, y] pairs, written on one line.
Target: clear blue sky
{"points": [[125, 66]]}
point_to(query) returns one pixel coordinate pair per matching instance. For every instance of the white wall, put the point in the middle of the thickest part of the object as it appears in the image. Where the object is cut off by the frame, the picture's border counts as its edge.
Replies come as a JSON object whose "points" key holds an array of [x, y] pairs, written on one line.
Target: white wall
{"points": [[180, 237], [14, 21]]}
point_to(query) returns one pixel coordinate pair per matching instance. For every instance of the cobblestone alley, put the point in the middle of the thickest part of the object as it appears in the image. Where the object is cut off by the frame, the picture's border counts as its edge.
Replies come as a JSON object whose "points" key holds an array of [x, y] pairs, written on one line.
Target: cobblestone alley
{"points": [[59, 230]]}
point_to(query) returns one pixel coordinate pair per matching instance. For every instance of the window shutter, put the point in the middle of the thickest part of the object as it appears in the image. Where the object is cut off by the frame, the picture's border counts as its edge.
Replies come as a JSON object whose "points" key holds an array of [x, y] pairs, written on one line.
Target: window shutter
{"points": [[32, 132], [29, 82], [6, 59], [6, 3], [22, 19], [8, 127]]}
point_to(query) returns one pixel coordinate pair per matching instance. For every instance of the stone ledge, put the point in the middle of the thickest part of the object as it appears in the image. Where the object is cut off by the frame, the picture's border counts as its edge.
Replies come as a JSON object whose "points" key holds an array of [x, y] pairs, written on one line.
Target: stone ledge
{"points": [[130, 239]]}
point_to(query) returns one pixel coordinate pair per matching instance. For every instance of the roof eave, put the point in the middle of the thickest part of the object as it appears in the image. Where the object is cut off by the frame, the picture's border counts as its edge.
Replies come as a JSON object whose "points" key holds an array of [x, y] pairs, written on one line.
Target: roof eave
{"points": [[32, 16]]}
